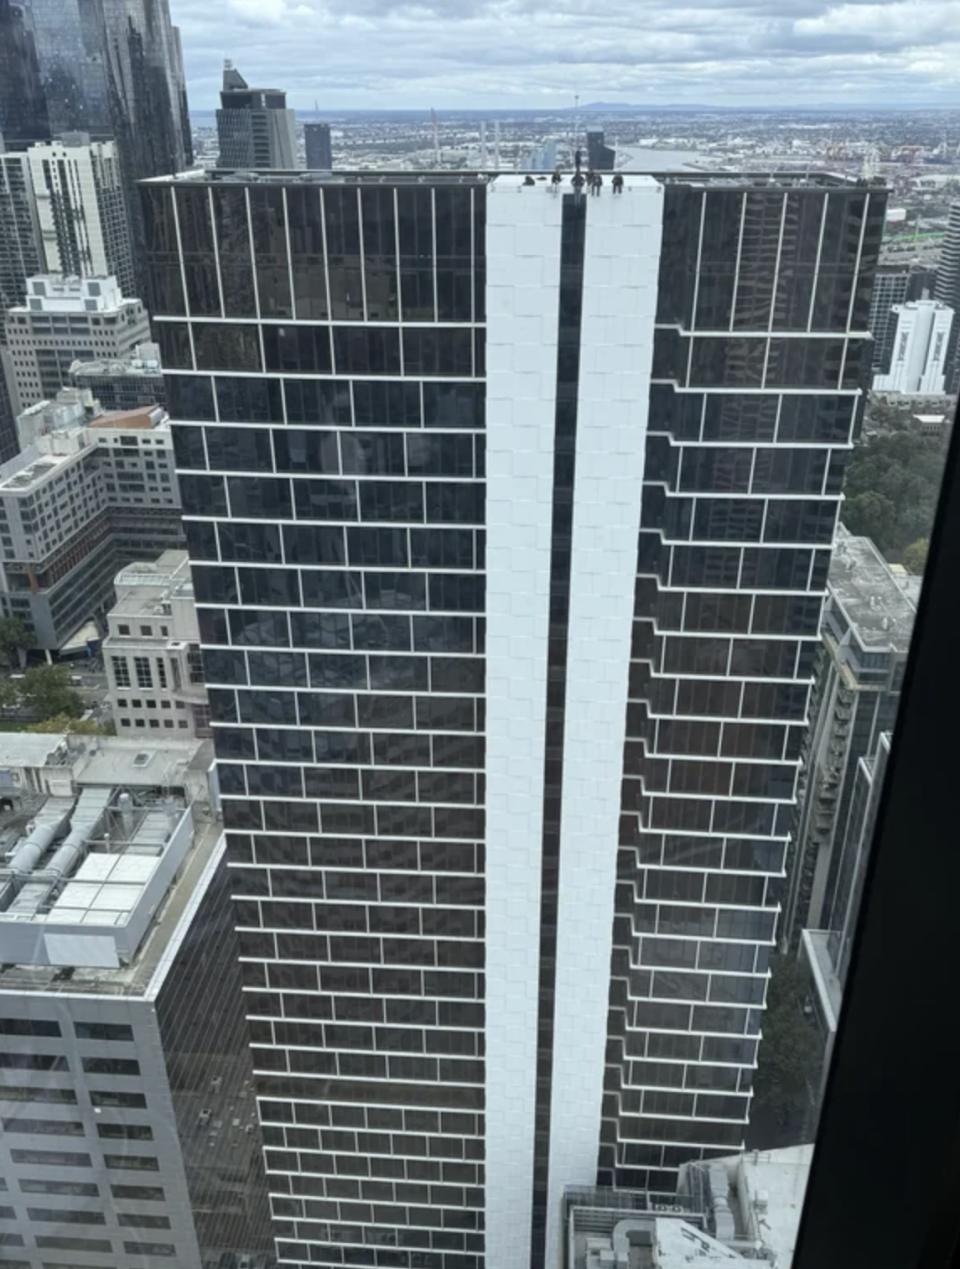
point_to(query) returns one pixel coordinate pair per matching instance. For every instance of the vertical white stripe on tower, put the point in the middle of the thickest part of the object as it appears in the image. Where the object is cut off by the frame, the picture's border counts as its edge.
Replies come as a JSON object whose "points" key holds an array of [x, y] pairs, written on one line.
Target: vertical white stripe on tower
{"points": [[621, 267], [523, 279]]}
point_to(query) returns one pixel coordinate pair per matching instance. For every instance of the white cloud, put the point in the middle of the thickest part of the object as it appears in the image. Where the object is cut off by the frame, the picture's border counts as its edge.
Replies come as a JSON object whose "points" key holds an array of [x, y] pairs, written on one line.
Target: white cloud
{"points": [[411, 54]]}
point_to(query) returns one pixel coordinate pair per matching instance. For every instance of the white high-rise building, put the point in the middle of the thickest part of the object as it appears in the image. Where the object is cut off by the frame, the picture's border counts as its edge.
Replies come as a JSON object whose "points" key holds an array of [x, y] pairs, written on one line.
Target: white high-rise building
{"points": [[510, 514], [78, 187], [918, 361]]}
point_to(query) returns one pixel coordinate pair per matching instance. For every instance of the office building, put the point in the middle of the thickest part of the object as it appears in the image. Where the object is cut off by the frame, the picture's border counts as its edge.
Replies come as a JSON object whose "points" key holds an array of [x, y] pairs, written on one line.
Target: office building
{"points": [[918, 362], [123, 384], [318, 147], [78, 189], [509, 593], [68, 319], [865, 637], [129, 1123], [21, 253], [600, 157], [895, 283], [254, 127], [947, 290], [826, 951], [152, 650], [70, 408], [75, 506]]}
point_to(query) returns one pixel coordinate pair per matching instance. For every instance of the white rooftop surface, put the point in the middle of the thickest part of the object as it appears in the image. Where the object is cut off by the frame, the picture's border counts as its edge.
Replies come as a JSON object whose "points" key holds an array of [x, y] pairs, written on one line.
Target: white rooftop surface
{"points": [[783, 1175], [139, 763], [24, 749]]}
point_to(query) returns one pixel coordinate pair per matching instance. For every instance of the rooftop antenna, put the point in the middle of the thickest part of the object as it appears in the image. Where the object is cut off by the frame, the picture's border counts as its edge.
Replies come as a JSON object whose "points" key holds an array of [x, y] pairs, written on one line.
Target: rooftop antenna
{"points": [[436, 138], [576, 121], [496, 144], [483, 143]]}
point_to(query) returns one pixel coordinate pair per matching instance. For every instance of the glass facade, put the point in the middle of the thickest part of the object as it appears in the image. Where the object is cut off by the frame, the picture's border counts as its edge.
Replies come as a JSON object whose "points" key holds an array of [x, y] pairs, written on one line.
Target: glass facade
{"points": [[333, 484], [113, 70], [325, 355], [759, 354]]}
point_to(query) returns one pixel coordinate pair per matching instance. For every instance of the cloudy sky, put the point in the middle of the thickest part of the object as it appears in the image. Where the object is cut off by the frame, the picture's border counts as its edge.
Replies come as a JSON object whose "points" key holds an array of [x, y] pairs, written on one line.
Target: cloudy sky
{"points": [[377, 54]]}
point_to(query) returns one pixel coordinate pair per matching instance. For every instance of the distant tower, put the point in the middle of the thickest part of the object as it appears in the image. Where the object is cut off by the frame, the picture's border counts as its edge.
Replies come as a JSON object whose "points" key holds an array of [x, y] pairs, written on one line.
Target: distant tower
{"points": [[318, 146], [254, 127]]}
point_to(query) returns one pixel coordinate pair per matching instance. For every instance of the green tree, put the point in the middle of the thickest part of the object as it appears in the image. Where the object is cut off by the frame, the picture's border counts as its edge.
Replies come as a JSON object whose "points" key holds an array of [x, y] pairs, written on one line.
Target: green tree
{"points": [[915, 555], [46, 691], [9, 696], [14, 640], [891, 487], [73, 726], [790, 1058]]}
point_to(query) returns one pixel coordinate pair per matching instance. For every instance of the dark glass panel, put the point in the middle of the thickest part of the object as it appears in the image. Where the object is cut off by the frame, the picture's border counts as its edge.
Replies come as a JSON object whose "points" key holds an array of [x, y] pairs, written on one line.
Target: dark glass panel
{"points": [[233, 245], [269, 234], [189, 397], [249, 400], [226, 346]]}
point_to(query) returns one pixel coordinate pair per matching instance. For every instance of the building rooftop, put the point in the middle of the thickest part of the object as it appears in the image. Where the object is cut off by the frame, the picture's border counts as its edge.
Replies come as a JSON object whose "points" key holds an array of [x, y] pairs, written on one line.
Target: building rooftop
{"points": [[145, 362], [309, 176], [745, 1208], [866, 590], [91, 884]]}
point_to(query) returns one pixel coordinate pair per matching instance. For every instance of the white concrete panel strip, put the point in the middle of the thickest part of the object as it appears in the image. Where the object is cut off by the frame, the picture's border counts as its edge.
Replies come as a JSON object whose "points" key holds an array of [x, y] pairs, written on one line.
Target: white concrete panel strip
{"points": [[523, 278], [621, 269]]}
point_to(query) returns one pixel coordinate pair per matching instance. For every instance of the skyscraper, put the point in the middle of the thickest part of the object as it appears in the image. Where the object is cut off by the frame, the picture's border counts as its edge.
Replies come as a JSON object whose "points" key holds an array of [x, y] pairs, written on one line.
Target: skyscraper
{"points": [[112, 69], [254, 127], [510, 515], [317, 146], [78, 187], [918, 355]]}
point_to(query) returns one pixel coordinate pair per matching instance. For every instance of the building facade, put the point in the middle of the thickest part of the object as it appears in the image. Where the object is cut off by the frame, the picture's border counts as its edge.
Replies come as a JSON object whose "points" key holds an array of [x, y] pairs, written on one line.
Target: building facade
{"points": [[254, 127], [21, 253], [112, 69], [129, 1126], [918, 361], [152, 650], [78, 188], [123, 385], [75, 506], [825, 953], [510, 517], [867, 624], [895, 283], [318, 148], [68, 319]]}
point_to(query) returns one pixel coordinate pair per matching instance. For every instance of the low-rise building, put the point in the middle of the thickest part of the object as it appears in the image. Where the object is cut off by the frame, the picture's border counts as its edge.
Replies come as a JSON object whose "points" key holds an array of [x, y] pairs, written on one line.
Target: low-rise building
{"points": [[123, 384], [77, 505], [126, 1097], [66, 319], [742, 1209], [152, 650]]}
